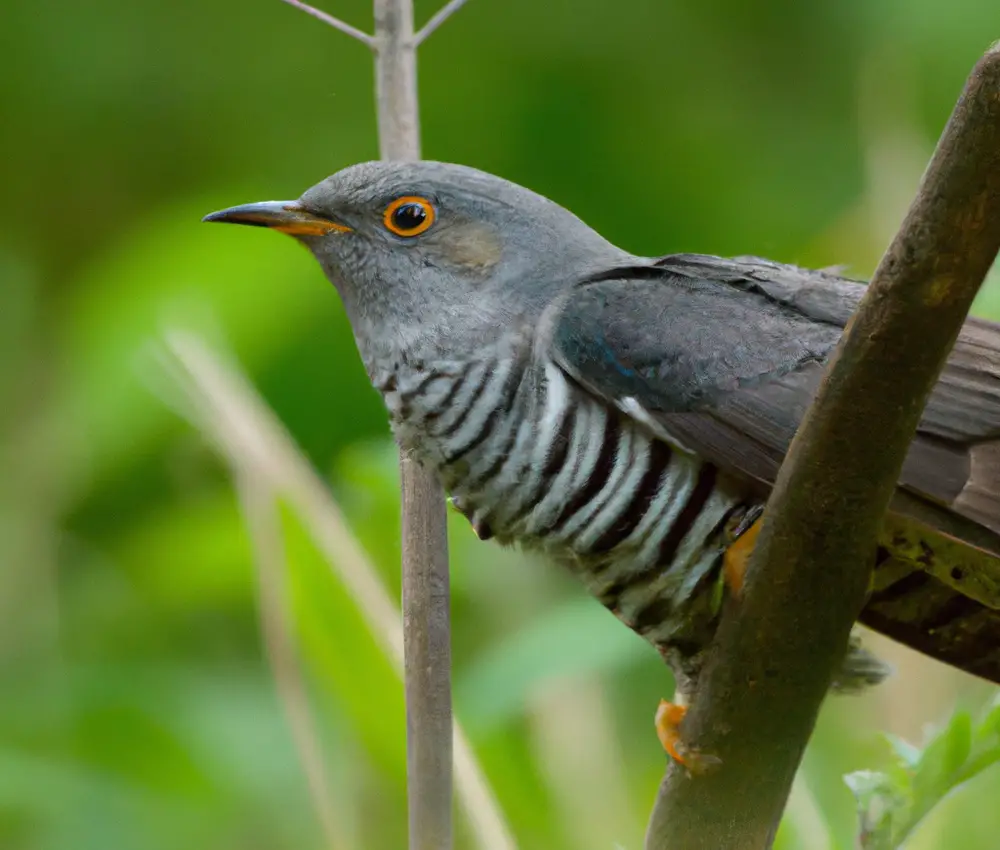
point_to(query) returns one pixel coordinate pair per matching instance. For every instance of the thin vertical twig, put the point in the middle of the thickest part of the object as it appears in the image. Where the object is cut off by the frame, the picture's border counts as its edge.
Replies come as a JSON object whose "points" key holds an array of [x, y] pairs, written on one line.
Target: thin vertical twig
{"points": [[426, 582], [396, 80]]}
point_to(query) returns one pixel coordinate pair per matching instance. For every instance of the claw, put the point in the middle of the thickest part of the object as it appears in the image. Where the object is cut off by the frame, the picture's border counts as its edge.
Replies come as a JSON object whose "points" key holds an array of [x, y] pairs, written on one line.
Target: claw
{"points": [[734, 561], [669, 717], [668, 722]]}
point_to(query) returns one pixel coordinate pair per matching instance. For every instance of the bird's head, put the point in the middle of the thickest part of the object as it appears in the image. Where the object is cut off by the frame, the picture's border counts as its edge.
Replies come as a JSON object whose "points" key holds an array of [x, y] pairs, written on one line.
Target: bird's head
{"points": [[433, 254]]}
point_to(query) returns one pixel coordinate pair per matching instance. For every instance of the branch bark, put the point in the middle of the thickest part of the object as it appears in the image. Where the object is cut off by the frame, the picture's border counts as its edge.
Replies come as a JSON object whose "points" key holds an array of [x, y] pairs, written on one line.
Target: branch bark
{"points": [[426, 581], [772, 662]]}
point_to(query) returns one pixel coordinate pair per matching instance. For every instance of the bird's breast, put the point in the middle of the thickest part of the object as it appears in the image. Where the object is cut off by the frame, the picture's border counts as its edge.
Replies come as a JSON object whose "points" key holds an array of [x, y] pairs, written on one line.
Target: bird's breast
{"points": [[532, 458]]}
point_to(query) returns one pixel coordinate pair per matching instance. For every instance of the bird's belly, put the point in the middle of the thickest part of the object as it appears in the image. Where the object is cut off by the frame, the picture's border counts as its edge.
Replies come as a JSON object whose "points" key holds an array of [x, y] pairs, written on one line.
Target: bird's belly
{"points": [[641, 523], [654, 560], [530, 458]]}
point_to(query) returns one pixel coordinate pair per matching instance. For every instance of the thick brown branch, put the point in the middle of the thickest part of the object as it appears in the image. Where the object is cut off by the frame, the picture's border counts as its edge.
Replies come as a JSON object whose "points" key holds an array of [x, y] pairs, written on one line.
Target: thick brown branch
{"points": [[771, 666]]}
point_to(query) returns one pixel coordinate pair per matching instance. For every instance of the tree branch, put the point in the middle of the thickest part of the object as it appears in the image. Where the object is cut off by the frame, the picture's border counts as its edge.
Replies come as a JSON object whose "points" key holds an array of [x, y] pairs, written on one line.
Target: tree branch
{"points": [[777, 645], [396, 80], [437, 19], [426, 581], [330, 20]]}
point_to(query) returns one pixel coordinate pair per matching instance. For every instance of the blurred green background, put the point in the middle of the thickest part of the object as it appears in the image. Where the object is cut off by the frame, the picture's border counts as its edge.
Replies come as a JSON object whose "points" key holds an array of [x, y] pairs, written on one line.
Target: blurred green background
{"points": [[137, 709]]}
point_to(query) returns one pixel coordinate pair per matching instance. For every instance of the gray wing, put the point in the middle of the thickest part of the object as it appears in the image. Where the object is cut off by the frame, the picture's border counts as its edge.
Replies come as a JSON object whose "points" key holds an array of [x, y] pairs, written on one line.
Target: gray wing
{"points": [[725, 356]]}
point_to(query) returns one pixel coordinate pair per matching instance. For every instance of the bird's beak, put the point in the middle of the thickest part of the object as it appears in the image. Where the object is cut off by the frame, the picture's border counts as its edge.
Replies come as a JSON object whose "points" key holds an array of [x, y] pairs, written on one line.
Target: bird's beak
{"points": [[287, 216]]}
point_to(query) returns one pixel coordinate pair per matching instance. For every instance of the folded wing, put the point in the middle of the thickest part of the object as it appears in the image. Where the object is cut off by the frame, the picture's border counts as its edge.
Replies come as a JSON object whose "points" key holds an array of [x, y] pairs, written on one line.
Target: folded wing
{"points": [[722, 357]]}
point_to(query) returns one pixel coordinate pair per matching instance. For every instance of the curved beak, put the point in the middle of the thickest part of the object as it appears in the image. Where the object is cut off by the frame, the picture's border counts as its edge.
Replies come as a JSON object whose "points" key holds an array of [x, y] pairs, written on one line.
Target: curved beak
{"points": [[287, 216]]}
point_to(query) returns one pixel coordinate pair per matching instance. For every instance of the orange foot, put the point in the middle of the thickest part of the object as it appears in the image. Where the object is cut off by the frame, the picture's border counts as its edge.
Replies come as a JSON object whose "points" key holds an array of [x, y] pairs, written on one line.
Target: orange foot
{"points": [[668, 728], [734, 561], [669, 716]]}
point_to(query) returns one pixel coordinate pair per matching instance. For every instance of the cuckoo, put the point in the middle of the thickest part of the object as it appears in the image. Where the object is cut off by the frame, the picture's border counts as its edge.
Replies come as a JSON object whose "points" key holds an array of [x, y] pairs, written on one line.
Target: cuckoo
{"points": [[627, 415]]}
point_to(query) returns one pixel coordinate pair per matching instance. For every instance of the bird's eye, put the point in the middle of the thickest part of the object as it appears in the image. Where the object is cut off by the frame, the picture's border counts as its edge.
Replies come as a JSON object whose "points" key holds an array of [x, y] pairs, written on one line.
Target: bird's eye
{"points": [[409, 216]]}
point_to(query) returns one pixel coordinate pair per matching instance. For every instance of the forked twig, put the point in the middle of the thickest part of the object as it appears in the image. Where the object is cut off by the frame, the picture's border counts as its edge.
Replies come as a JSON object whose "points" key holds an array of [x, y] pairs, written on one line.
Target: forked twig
{"points": [[436, 20], [426, 579], [334, 22]]}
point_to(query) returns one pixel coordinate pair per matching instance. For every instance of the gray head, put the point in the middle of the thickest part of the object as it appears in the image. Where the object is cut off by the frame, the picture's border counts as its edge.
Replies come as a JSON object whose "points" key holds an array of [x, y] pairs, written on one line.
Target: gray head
{"points": [[428, 255]]}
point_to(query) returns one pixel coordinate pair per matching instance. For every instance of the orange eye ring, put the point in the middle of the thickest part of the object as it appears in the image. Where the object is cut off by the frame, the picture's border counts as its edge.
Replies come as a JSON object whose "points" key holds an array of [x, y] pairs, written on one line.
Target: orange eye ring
{"points": [[409, 216]]}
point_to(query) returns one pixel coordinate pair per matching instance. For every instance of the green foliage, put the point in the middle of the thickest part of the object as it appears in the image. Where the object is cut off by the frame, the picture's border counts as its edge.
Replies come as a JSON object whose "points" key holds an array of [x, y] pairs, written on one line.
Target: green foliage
{"points": [[136, 707], [892, 803]]}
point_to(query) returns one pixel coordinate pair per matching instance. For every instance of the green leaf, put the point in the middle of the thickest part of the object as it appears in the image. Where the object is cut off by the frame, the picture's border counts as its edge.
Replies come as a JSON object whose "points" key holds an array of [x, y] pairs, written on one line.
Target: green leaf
{"points": [[893, 803], [990, 725], [907, 755], [937, 770], [880, 806]]}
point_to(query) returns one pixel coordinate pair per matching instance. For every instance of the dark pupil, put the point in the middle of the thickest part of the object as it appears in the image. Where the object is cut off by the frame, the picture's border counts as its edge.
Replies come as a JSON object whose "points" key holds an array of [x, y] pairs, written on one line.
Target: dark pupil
{"points": [[409, 216]]}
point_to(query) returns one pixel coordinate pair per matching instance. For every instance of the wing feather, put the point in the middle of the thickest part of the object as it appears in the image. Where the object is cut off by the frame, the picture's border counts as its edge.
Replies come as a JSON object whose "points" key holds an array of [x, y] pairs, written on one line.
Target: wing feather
{"points": [[726, 355], [723, 357]]}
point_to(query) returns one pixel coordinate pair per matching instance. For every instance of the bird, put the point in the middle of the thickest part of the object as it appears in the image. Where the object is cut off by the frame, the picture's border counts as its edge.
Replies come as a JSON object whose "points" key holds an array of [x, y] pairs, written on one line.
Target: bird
{"points": [[627, 416]]}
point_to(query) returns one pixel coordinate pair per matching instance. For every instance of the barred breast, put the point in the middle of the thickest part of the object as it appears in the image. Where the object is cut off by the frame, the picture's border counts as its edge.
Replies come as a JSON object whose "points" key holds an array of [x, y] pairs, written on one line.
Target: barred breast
{"points": [[530, 457]]}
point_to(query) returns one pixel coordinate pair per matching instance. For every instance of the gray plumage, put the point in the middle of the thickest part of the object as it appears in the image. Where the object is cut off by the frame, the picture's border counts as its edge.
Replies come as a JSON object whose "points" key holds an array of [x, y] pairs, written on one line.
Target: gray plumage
{"points": [[627, 415]]}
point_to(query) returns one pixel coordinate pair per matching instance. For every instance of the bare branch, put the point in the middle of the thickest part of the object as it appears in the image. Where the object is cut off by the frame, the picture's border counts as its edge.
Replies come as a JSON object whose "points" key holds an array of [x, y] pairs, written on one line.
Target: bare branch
{"points": [[777, 645], [260, 512], [426, 580], [219, 400], [396, 80], [336, 23], [437, 19], [427, 643]]}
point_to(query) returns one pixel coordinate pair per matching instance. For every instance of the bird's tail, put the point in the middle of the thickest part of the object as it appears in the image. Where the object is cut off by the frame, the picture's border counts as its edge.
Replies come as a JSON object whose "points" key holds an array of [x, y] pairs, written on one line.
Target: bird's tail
{"points": [[936, 586]]}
